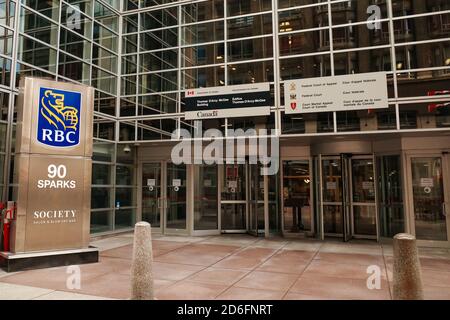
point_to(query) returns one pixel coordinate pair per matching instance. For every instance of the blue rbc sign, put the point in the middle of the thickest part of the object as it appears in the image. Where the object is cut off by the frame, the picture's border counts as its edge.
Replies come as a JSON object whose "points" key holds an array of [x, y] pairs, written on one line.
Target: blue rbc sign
{"points": [[58, 118]]}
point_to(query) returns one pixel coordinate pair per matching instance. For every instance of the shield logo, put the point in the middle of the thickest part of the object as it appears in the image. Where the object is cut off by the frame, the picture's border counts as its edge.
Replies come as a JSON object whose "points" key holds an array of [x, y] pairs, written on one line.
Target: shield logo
{"points": [[59, 118]]}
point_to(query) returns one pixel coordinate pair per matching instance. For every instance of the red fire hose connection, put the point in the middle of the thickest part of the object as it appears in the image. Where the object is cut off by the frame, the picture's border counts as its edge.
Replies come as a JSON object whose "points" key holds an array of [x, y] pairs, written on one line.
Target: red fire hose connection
{"points": [[6, 217]]}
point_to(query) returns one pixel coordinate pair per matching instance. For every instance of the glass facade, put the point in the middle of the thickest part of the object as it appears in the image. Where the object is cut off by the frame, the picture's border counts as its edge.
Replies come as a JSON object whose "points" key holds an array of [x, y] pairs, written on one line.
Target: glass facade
{"points": [[140, 56]]}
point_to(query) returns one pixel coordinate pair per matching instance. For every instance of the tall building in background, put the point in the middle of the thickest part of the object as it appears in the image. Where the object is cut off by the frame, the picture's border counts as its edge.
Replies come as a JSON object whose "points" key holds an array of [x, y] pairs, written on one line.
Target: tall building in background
{"points": [[354, 174]]}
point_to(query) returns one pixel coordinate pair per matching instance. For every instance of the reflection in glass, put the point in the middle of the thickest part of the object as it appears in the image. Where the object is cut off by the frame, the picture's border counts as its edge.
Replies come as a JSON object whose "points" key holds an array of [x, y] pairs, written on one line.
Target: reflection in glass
{"points": [[363, 181], [250, 72], [202, 32], [205, 197], [204, 77], [250, 26], [332, 196], [233, 186], [428, 197], [274, 203], [297, 184], [151, 193], [200, 11], [37, 54], [392, 220], [124, 218], [176, 196], [305, 67], [332, 181], [332, 219], [125, 196], [364, 220], [258, 48], [202, 55], [101, 174], [363, 186], [233, 216], [100, 197], [101, 221]]}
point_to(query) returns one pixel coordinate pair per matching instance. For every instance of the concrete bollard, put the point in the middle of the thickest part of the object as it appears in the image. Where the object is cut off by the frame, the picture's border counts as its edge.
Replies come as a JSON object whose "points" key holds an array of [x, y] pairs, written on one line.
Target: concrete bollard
{"points": [[142, 263], [407, 272]]}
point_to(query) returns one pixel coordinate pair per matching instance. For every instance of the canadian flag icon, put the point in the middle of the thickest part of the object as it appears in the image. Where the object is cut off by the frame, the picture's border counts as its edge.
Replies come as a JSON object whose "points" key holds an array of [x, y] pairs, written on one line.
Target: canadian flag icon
{"points": [[293, 105], [190, 93]]}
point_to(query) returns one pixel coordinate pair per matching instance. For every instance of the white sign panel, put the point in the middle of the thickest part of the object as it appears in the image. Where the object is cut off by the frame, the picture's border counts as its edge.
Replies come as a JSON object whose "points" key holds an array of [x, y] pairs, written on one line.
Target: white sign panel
{"points": [[331, 185], [176, 182], [339, 93], [227, 113], [232, 184], [228, 101], [367, 185], [427, 182]]}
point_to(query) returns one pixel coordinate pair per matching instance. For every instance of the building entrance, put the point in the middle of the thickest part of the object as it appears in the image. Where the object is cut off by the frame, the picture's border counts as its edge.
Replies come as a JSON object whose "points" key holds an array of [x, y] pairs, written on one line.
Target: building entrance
{"points": [[242, 205], [429, 187], [347, 197], [233, 198], [163, 196]]}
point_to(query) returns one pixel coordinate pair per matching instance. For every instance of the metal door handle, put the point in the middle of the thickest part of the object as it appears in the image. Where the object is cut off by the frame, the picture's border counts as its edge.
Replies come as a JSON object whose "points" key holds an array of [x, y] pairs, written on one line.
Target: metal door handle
{"points": [[444, 208], [158, 201]]}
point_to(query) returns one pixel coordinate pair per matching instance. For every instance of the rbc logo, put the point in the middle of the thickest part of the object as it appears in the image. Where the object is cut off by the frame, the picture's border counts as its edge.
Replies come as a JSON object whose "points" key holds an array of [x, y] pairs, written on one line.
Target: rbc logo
{"points": [[58, 118]]}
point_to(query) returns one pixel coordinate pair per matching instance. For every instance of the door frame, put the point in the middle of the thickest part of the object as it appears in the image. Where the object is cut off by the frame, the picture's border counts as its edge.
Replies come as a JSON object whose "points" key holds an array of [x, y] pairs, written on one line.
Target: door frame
{"points": [[322, 203], [445, 158], [220, 177], [172, 231], [362, 204], [311, 197], [162, 229], [191, 197], [348, 219], [253, 200]]}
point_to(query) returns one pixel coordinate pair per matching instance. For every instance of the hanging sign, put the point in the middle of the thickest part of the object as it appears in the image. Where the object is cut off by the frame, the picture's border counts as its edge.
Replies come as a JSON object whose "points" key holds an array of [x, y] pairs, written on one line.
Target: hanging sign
{"points": [[246, 100]]}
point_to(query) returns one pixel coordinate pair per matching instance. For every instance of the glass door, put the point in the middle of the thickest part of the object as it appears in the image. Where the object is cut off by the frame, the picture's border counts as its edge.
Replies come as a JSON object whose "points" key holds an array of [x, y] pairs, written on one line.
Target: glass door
{"points": [[429, 186], [363, 198], [206, 199], [233, 198], [390, 195], [348, 197], [175, 198], [256, 189], [152, 194], [332, 196], [297, 183]]}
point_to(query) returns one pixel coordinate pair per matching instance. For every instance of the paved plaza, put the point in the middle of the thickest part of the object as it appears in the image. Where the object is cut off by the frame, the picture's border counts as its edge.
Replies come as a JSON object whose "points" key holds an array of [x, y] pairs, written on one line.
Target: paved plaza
{"points": [[234, 267]]}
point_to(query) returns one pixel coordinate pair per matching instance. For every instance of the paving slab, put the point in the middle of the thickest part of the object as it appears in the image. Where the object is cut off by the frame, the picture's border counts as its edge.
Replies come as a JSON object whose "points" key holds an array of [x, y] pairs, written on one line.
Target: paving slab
{"points": [[61, 295], [10, 291], [234, 267]]}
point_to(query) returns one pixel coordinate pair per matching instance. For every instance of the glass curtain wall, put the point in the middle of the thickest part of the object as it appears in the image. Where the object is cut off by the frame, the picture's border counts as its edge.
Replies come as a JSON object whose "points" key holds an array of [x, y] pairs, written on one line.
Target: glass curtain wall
{"points": [[205, 43], [160, 48]]}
